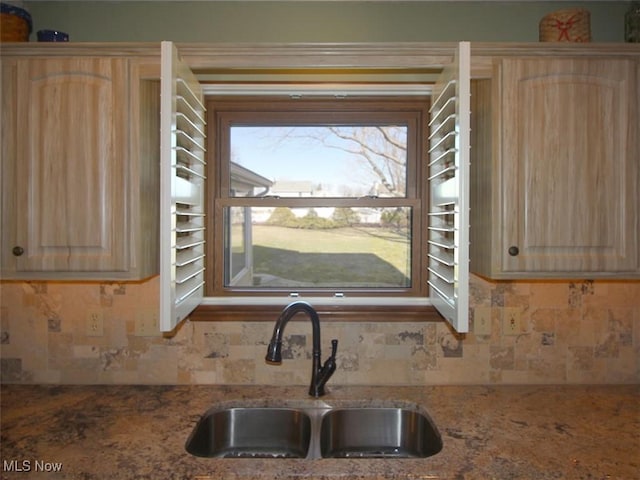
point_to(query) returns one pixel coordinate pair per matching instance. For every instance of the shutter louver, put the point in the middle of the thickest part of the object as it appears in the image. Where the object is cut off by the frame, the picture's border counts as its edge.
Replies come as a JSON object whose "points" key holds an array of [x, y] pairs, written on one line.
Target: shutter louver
{"points": [[448, 177], [182, 190]]}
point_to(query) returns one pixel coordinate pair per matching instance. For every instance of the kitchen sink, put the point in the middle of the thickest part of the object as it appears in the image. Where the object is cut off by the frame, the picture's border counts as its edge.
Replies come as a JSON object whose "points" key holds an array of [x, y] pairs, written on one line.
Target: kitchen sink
{"points": [[314, 432], [251, 433], [378, 433]]}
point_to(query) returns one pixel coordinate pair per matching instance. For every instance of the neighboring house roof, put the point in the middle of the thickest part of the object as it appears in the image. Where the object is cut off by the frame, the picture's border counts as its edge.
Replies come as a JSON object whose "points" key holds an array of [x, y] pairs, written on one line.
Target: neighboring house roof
{"points": [[244, 179]]}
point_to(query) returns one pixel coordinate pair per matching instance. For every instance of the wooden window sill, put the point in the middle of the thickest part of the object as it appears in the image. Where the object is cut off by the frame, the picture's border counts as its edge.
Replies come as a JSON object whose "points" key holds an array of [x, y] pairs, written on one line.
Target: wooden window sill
{"points": [[342, 313]]}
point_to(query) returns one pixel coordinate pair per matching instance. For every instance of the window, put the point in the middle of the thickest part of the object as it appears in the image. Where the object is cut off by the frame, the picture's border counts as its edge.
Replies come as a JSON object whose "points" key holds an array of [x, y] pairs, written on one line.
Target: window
{"points": [[219, 226], [316, 197]]}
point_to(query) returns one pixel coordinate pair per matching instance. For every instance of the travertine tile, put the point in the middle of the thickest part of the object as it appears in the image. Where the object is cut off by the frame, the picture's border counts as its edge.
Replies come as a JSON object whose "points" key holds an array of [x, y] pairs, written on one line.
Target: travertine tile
{"points": [[573, 332], [502, 358]]}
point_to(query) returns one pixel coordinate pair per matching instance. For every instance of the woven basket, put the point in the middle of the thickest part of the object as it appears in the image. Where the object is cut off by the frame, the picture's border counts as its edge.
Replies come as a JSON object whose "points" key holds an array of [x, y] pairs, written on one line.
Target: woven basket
{"points": [[15, 23], [13, 28], [568, 25]]}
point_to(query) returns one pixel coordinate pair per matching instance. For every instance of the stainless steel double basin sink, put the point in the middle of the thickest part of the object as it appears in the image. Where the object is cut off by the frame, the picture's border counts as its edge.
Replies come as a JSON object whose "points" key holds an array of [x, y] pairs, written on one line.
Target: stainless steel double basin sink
{"points": [[314, 432]]}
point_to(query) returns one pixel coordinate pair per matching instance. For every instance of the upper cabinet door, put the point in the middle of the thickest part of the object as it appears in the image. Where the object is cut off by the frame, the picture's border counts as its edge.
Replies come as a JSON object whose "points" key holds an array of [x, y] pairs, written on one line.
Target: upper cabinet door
{"points": [[569, 166], [69, 162]]}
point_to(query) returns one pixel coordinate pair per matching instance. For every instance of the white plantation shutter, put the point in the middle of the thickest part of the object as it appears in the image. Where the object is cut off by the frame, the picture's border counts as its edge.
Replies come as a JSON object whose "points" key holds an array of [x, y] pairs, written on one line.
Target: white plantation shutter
{"points": [[182, 173], [448, 176]]}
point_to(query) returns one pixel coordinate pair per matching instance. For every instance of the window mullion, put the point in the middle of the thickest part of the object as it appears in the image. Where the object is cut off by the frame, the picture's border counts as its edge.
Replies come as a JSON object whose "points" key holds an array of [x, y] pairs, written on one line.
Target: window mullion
{"points": [[295, 202]]}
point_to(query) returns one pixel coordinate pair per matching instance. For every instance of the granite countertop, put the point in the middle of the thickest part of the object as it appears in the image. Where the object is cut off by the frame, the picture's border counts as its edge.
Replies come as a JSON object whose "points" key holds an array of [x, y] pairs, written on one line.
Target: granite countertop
{"points": [[489, 432]]}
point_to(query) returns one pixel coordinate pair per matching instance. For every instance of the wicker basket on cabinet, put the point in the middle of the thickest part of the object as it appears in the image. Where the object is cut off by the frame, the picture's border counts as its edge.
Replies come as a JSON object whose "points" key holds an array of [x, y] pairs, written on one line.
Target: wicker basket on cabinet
{"points": [[567, 25], [15, 23]]}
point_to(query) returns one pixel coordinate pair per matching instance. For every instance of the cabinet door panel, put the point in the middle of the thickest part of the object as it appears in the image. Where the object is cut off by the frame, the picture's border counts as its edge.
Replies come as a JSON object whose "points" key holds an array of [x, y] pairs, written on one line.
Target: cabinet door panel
{"points": [[568, 150], [71, 165]]}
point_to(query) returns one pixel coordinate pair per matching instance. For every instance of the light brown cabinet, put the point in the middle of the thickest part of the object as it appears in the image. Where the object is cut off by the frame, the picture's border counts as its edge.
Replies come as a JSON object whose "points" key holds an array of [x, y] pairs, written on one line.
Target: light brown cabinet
{"points": [[79, 168], [555, 171], [554, 158]]}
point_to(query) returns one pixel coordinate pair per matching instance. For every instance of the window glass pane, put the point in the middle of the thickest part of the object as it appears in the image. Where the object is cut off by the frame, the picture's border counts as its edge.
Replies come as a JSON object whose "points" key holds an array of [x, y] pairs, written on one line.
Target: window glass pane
{"points": [[326, 247], [319, 161], [236, 254]]}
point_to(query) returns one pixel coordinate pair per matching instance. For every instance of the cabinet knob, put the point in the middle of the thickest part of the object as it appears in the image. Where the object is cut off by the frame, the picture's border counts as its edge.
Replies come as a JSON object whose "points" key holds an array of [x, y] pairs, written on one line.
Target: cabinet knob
{"points": [[17, 251], [514, 251]]}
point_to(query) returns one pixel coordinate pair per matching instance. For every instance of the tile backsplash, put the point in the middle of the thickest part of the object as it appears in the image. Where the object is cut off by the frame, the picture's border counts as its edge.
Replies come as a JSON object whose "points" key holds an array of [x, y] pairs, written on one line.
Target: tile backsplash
{"points": [[532, 332]]}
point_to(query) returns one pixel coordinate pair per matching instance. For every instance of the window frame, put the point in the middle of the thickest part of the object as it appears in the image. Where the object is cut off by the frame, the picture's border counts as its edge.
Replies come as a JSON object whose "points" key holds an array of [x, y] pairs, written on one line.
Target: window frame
{"points": [[267, 70], [223, 111]]}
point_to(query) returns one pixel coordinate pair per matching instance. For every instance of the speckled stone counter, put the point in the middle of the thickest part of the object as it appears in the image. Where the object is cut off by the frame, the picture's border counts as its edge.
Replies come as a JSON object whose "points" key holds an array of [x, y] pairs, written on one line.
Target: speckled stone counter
{"points": [[139, 432]]}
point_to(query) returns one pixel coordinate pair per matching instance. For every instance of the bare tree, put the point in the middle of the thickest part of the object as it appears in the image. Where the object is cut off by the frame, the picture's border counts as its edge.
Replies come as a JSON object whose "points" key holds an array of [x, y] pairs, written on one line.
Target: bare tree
{"points": [[382, 149]]}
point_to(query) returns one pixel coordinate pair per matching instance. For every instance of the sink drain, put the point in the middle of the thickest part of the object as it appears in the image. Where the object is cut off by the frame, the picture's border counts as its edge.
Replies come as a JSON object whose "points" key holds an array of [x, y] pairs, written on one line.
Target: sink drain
{"points": [[259, 455]]}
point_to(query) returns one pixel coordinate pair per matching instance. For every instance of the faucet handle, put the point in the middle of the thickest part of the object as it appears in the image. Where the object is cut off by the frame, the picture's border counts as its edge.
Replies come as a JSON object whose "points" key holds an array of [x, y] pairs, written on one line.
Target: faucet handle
{"points": [[334, 348], [330, 365]]}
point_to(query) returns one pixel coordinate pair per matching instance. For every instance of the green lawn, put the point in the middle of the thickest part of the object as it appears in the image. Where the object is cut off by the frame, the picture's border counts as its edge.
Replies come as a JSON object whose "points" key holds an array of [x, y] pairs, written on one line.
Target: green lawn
{"points": [[336, 257]]}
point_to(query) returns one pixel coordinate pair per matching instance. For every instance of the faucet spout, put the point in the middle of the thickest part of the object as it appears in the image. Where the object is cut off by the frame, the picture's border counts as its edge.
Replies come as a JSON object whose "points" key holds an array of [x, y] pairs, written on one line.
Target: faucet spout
{"points": [[319, 374]]}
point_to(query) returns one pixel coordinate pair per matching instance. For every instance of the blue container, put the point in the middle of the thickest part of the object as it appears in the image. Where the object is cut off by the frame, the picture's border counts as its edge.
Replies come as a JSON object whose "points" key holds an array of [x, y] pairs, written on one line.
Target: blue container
{"points": [[52, 36]]}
